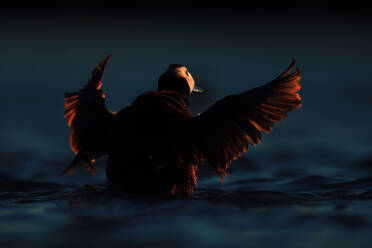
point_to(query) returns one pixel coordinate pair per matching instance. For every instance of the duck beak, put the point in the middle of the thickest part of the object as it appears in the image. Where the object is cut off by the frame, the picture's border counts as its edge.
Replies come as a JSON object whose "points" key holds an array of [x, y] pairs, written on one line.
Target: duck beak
{"points": [[197, 90]]}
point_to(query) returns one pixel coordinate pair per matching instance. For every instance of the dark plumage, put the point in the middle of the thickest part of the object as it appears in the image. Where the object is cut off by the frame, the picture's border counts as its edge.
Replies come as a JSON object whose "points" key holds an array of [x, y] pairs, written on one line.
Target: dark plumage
{"points": [[155, 145]]}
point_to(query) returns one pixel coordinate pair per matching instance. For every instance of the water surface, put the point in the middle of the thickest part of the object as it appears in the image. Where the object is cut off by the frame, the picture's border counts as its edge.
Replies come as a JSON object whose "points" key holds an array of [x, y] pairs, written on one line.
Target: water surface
{"points": [[308, 184]]}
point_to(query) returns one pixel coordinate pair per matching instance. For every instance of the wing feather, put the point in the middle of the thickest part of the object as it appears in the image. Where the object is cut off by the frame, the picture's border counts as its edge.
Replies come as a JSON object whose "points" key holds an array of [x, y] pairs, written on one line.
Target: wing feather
{"points": [[89, 119], [224, 131]]}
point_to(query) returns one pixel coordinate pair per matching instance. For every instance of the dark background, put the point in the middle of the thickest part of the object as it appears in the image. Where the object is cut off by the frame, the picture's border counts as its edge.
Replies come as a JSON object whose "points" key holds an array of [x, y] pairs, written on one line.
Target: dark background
{"points": [[307, 184], [50, 49]]}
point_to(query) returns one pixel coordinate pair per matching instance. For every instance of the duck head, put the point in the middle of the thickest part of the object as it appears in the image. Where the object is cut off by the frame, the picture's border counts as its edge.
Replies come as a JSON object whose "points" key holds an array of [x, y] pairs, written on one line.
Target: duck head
{"points": [[178, 78]]}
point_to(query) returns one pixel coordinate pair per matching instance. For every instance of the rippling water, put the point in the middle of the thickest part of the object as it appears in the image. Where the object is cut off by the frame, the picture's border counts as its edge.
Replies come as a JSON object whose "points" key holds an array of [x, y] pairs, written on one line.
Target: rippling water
{"points": [[308, 184], [254, 207]]}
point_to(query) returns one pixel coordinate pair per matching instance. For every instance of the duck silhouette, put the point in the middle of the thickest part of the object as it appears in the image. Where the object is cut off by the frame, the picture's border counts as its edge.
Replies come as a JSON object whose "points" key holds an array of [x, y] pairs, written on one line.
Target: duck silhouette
{"points": [[155, 145]]}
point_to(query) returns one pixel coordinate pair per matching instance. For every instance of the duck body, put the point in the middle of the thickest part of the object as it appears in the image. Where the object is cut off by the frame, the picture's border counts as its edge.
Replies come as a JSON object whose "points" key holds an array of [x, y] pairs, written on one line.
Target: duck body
{"points": [[156, 145], [151, 151]]}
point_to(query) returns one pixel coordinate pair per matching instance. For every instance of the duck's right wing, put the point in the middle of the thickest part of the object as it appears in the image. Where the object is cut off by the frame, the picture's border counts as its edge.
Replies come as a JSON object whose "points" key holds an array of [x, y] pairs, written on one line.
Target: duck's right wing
{"points": [[225, 130], [89, 119]]}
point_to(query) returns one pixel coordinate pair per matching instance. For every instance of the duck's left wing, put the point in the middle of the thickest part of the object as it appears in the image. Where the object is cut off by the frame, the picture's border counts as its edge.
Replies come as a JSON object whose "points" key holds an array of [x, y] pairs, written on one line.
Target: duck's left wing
{"points": [[89, 119], [224, 131]]}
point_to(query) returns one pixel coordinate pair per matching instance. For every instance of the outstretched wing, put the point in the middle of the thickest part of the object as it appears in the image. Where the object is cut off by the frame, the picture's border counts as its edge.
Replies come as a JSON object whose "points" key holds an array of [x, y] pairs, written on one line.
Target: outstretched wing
{"points": [[89, 119], [225, 130]]}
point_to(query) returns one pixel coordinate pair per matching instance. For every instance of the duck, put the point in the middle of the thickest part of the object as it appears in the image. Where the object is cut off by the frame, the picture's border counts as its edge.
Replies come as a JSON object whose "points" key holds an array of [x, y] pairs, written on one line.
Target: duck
{"points": [[156, 145]]}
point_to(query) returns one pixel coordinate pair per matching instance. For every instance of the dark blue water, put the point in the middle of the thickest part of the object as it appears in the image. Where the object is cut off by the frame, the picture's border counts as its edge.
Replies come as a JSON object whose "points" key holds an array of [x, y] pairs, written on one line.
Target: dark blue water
{"points": [[308, 184]]}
